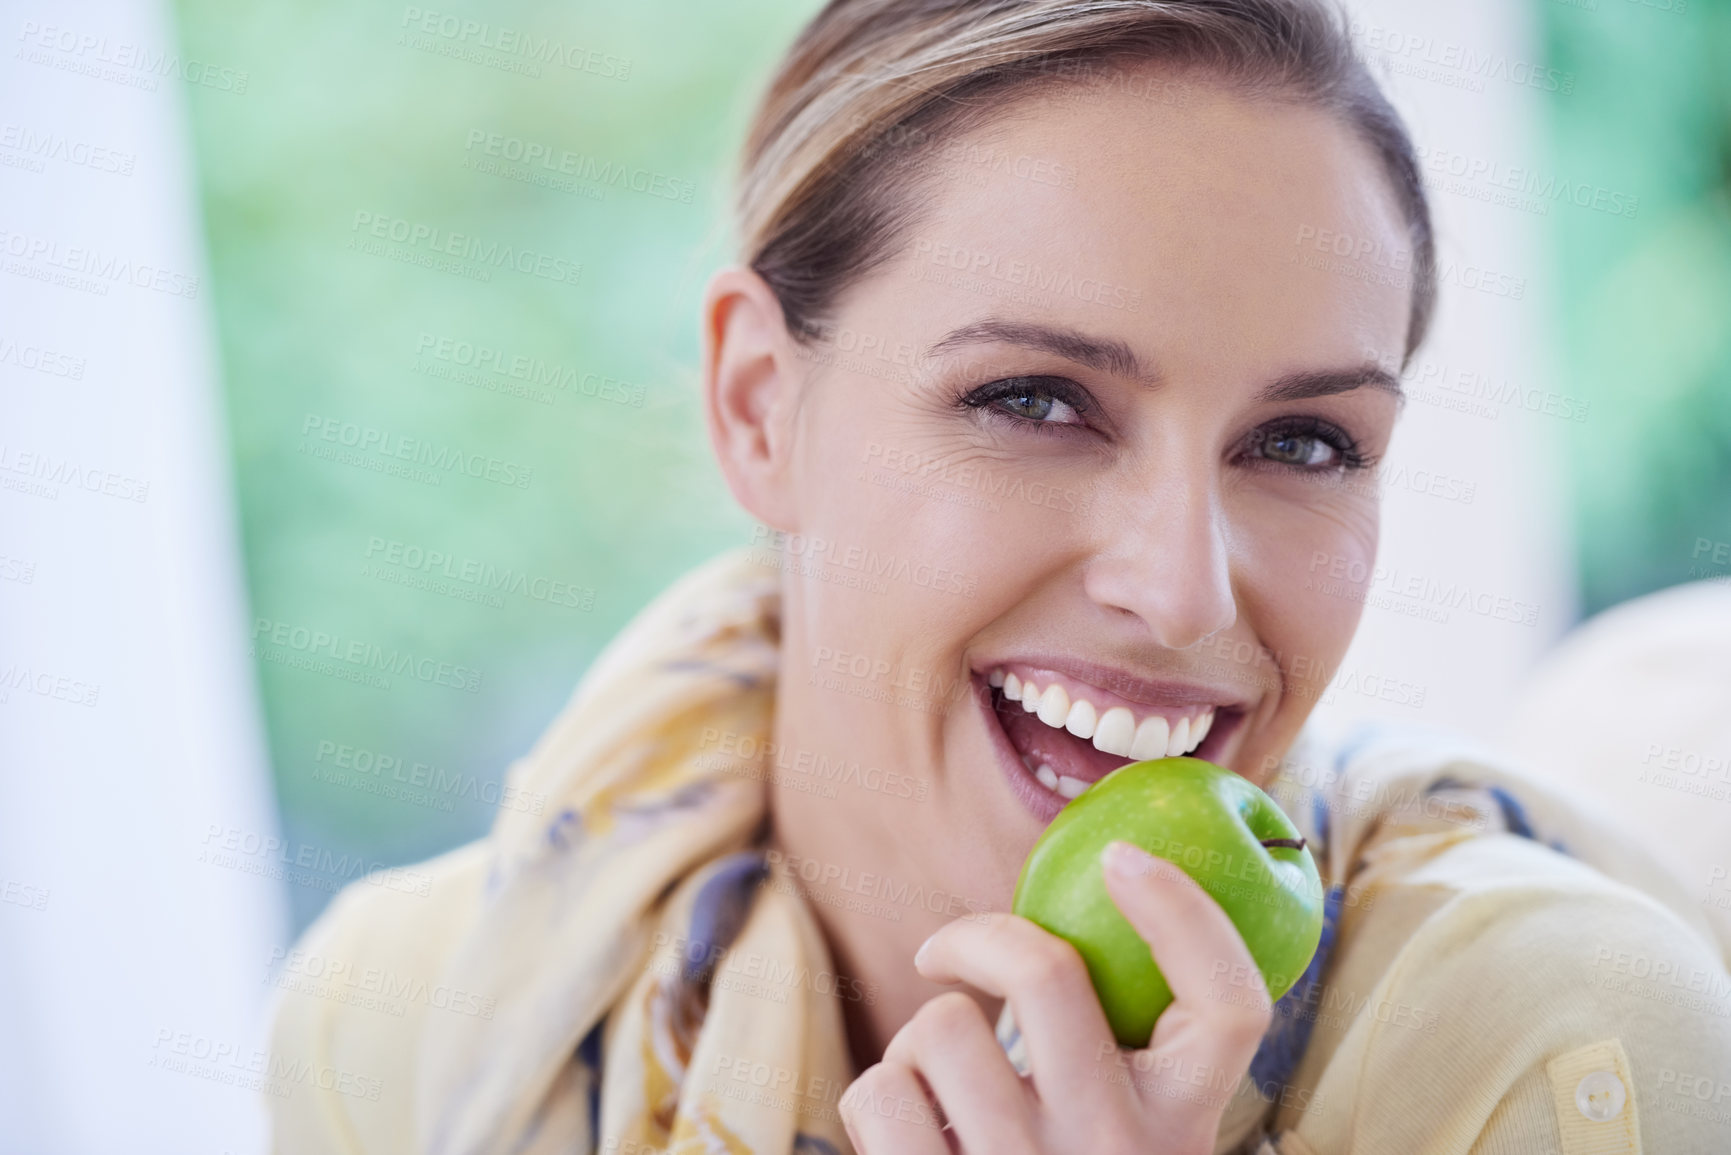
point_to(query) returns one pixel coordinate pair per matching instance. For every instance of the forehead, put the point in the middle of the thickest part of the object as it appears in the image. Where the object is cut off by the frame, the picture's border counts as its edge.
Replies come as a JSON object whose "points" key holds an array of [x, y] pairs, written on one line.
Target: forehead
{"points": [[1197, 222]]}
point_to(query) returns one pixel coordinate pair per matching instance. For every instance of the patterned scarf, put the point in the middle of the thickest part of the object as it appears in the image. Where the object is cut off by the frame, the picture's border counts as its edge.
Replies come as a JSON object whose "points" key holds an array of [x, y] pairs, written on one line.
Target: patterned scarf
{"points": [[654, 996], [627, 933]]}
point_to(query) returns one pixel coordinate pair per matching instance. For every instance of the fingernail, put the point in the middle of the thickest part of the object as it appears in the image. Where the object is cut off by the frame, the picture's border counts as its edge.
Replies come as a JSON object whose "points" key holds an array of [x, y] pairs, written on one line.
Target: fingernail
{"points": [[1123, 858], [920, 955]]}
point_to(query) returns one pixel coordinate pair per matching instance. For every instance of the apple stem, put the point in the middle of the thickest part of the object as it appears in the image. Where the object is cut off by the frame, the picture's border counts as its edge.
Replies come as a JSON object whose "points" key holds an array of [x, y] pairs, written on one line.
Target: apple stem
{"points": [[1288, 843]]}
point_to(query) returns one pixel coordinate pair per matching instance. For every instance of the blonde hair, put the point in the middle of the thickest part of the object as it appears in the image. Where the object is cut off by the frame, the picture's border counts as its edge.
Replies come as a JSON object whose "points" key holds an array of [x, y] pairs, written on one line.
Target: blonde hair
{"points": [[832, 162]]}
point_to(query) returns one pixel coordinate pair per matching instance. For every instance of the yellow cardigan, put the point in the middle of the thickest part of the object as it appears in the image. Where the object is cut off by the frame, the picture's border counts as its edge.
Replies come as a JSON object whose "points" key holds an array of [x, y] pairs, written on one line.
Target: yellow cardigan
{"points": [[1500, 972]]}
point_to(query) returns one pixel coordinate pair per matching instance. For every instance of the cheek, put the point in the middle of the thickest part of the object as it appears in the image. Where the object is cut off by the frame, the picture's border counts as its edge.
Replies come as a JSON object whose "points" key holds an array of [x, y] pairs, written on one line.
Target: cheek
{"points": [[926, 536], [1306, 573]]}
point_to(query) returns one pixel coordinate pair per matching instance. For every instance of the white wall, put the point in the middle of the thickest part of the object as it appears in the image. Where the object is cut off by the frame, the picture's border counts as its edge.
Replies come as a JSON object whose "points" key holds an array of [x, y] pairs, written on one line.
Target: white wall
{"points": [[1474, 506], [128, 720]]}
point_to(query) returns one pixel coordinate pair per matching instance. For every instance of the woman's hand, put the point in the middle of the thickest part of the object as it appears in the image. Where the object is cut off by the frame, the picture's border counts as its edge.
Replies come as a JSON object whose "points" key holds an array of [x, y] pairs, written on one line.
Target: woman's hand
{"points": [[1083, 1092]]}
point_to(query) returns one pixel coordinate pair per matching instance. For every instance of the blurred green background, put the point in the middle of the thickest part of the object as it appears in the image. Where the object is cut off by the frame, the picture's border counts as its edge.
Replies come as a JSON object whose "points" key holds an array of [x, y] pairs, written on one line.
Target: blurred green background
{"points": [[363, 108], [1646, 308], [379, 115]]}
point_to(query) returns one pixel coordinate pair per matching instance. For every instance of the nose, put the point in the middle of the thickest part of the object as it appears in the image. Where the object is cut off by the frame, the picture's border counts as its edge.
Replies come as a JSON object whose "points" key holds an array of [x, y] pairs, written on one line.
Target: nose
{"points": [[1163, 557]]}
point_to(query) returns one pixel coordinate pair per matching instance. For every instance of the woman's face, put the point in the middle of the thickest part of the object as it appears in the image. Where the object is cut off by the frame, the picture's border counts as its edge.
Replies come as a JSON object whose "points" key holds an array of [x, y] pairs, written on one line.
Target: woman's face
{"points": [[1103, 428]]}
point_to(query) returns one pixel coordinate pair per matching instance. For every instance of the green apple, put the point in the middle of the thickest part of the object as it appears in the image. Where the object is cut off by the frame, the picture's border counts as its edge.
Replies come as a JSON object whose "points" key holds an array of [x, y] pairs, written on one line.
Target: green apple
{"points": [[1221, 830]]}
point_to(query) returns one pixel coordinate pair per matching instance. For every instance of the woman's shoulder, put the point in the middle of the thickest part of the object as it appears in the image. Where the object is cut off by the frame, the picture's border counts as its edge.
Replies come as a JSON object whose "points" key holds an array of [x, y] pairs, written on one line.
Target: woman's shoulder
{"points": [[1493, 989], [1382, 802], [354, 995], [1462, 1004]]}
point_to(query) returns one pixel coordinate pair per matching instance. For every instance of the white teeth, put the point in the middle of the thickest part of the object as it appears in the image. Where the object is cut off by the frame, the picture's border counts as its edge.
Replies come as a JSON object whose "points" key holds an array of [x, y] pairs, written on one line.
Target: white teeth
{"points": [[1054, 706], [1200, 730], [1064, 785], [1114, 733], [1081, 719], [1179, 743], [1150, 740]]}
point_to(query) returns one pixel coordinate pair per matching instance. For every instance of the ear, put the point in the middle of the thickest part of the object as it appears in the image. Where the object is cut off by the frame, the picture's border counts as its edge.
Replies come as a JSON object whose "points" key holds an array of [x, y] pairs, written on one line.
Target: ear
{"points": [[750, 392]]}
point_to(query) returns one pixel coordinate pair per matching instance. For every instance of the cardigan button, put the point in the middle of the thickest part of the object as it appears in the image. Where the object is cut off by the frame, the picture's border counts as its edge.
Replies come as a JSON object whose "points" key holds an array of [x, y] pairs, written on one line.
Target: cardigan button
{"points": [[1600, 1096]]}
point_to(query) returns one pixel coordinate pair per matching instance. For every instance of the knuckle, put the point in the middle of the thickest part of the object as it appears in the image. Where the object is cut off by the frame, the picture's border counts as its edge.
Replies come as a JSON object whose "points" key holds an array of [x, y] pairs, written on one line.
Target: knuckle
{"points": [[1248, 1024], [1120, 1135], [870, 1079], [951, 1012], [1049, 961], [1261, 1008], [872, 1084]]}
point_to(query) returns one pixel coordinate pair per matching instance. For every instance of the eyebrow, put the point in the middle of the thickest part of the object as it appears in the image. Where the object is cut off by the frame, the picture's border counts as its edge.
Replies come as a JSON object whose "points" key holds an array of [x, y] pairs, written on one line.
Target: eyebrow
{"points": [[1110, 355], [1327, 382], [1107, 354]]}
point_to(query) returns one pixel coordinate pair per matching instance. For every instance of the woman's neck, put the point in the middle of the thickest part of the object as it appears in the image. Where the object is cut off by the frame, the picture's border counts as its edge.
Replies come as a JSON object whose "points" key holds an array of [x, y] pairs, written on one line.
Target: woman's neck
{"points": [[873, 911]]}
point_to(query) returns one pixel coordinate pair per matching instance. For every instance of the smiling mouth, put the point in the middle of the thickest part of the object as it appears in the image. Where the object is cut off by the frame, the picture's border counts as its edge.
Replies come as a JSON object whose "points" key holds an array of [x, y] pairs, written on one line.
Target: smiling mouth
{"points": [[1056, 741]]}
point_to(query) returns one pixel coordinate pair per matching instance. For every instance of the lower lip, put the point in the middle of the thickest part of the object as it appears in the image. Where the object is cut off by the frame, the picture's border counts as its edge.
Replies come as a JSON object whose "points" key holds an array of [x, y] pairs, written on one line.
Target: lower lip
{"points": [[1041, 802]]}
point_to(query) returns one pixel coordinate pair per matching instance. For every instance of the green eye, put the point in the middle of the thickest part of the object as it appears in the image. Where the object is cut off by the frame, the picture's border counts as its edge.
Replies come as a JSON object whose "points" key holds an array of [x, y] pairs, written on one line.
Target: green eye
{"points": [[1297, 449], [1029, 404], [1040, 402], [1308, 445]]}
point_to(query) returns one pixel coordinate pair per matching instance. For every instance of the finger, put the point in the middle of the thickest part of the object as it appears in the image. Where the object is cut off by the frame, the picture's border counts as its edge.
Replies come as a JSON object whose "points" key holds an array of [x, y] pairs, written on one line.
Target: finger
{"points": [[1046, 984], [1220, 1010], [950, 1044], [887, 1112]]}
